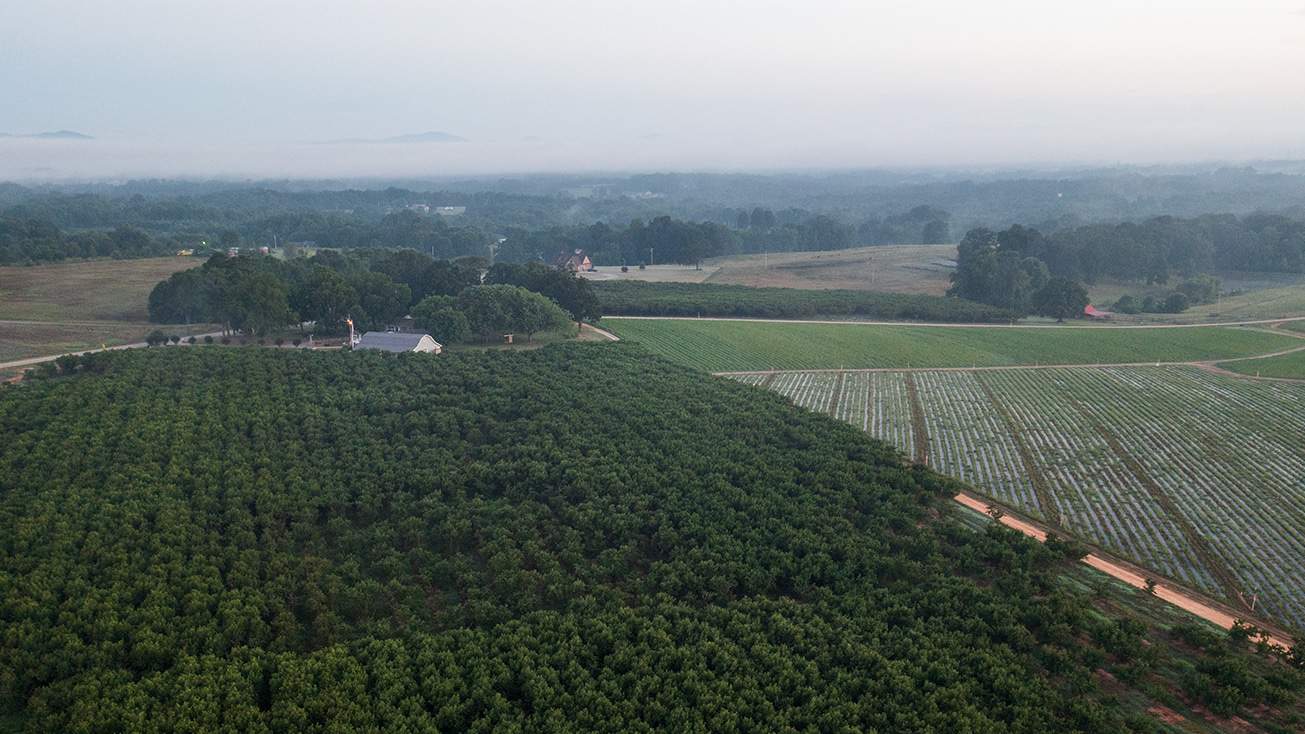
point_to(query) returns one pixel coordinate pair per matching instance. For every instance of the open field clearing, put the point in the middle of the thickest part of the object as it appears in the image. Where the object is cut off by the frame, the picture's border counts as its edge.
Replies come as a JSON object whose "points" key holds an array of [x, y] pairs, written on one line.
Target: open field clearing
{"points": [[653, 274], [1198, 476], [1284, 366], [888, 268], [1267, 303], [22, 340], [73, 306], [1261, 296], [98, 290], [725, 345]]}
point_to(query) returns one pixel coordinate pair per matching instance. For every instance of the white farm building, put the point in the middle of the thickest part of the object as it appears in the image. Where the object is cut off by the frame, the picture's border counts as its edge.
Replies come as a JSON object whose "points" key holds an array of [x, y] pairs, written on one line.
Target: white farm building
{"points": [[398, 341]]}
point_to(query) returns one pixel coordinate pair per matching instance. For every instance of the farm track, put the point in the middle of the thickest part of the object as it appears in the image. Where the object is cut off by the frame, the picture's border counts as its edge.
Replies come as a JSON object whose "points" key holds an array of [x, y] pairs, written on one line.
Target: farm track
{"points": [[1040, 487], [836, 399], [1176, 594], [1215, 369], [604, 333], [1211, 562], [920, 433], [33, 361]]}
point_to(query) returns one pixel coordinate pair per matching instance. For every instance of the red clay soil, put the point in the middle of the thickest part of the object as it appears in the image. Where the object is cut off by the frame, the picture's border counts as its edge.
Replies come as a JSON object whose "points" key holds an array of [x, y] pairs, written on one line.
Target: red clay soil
{"points": [[1170, 594]]}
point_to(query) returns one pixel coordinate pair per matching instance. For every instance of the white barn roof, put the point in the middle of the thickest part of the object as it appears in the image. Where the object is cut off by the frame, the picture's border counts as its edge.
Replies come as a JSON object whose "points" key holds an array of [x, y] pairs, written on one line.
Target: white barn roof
{"points": [[394, 341]]}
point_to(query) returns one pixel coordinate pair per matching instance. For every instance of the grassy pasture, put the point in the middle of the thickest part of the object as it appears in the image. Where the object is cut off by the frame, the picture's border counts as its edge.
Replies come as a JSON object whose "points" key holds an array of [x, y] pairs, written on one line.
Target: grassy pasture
{"points": [[887, 268], [1285, 365], [98, 290], [921, 269], [723, 345], [1261, 296], [71, 306], [19, 341]]}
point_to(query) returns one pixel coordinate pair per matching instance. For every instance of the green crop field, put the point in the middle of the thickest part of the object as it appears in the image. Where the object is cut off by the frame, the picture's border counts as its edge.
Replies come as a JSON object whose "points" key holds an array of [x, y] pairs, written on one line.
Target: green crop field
{"points": [[1285, 365], [1198, 476], [723, 345]]}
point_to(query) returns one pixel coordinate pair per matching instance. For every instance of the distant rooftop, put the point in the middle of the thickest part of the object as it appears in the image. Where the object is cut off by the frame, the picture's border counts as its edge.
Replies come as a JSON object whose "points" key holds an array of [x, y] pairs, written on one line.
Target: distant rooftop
{"points": [[392, 341]]}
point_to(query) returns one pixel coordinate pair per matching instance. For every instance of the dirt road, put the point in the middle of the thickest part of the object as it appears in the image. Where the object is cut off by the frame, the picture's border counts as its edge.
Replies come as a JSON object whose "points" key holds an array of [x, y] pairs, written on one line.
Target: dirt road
{"points": [[604, 333], [1183, 599], [31, 361]]}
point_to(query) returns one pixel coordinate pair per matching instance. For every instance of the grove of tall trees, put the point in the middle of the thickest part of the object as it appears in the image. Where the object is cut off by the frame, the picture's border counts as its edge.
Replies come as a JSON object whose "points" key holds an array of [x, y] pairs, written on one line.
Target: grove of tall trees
{"points": [[577, 538]]}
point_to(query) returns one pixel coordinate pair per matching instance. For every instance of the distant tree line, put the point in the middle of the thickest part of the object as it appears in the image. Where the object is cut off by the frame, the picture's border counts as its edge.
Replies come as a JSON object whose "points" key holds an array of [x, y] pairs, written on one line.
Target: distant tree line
{"points": [[642, 298], [925, 225], [260, 294], [990, 270], [1194, 291], [1012, 267], [1158, 249], [996, 199], [37, 240]]}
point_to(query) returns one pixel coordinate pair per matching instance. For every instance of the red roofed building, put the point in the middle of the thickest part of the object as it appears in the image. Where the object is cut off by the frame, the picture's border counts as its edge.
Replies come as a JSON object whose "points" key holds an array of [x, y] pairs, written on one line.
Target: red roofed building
{"points": [[1093, 313], [577, 263]]}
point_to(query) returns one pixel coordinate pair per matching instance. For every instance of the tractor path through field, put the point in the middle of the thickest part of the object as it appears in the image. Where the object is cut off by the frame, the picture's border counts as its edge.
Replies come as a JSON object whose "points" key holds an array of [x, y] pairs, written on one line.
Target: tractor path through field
{"points": [[1214, 368], [1045, 498], [919, 429], [1209, 610], [1209, 559], [1256, 322]]}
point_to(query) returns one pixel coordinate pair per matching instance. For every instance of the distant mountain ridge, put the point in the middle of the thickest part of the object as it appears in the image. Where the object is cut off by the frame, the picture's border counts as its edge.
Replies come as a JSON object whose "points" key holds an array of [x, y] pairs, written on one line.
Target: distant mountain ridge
{"points": [[55, 135], [426, 137]]}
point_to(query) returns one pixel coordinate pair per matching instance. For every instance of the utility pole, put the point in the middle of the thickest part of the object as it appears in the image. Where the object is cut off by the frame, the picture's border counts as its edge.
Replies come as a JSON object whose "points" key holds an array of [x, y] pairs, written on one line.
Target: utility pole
{"points": [[650, 256]]}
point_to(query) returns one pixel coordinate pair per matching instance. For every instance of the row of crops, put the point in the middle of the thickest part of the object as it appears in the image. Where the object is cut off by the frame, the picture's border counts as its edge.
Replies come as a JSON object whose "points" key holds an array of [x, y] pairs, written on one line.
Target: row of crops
{"points": [[1199, 476]]}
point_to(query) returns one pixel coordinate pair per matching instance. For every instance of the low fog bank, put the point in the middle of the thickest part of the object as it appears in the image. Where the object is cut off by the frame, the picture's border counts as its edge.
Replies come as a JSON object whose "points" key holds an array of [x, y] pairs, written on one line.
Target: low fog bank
{"points": [[54, 161]]}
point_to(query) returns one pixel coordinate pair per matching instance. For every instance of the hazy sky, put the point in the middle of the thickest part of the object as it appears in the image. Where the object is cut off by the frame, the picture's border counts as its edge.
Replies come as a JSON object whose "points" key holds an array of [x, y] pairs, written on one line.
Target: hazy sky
{"points": [[241, 86]]}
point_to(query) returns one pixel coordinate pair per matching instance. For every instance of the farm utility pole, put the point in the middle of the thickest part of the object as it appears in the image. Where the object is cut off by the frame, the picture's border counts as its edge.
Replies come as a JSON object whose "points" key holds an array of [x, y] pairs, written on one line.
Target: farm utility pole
{"points": [[650, 256]]}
